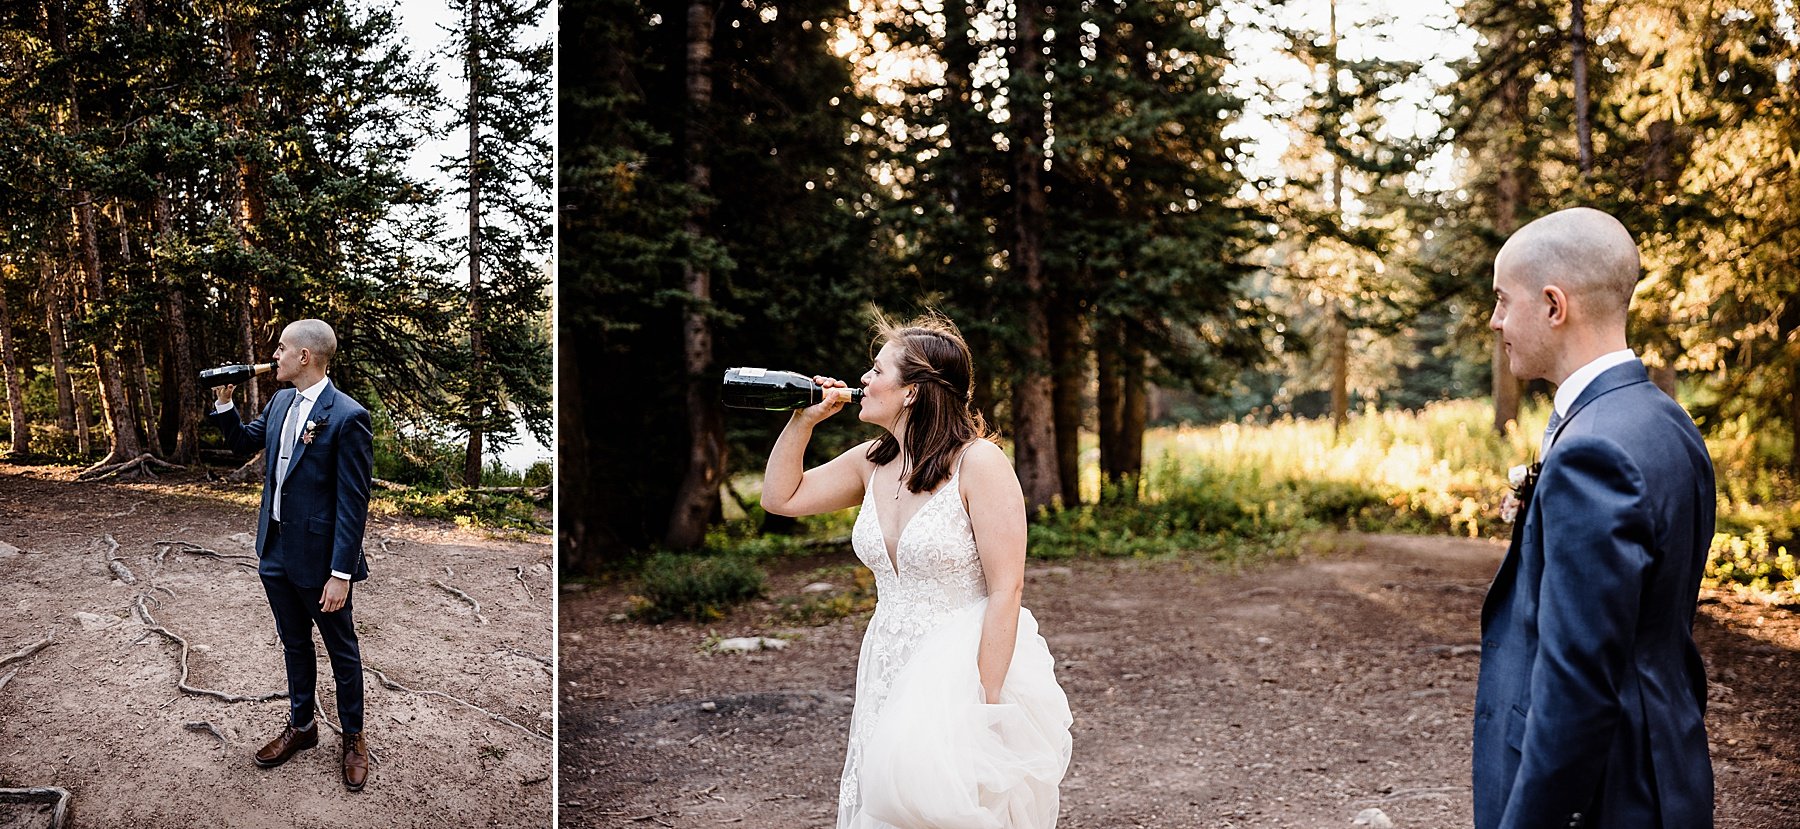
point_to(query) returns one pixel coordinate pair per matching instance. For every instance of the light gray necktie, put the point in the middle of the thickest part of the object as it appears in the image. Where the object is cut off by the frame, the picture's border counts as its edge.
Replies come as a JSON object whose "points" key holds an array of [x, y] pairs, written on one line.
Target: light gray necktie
{"points": [[286, 442], [1556, 420]]}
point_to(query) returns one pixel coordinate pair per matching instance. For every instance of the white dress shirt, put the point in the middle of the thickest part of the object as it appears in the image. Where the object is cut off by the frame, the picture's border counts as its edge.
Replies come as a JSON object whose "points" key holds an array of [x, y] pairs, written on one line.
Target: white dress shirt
{"points": [[1571, 389], [301, 408]]}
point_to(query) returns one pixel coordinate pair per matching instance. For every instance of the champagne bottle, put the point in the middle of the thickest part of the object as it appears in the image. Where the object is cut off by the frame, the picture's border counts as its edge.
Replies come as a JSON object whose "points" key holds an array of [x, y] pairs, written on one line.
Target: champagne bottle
{"points": [[760, 388], [231, 375]]}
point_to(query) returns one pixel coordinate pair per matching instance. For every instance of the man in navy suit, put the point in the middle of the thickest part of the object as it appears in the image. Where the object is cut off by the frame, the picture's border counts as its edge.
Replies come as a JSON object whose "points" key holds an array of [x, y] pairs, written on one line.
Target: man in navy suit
{"points": [[1590, 707], [309, 532]]}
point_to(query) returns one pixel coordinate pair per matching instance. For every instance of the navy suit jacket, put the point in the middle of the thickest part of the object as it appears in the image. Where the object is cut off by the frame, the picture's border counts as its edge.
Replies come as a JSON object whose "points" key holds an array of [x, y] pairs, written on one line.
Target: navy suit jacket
{"points": [[1591, 702], [325, 499]]}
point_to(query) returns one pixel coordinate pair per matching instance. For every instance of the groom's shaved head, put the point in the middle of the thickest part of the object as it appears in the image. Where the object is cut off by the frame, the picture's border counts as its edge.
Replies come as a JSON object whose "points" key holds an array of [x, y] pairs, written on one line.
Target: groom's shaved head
{"points": [[313, 335], [1587, 253]]}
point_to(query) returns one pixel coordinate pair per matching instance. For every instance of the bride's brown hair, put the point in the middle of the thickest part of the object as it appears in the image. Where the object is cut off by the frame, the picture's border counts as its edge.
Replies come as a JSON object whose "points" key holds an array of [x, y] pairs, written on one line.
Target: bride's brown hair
{"points": [[934, 359]]}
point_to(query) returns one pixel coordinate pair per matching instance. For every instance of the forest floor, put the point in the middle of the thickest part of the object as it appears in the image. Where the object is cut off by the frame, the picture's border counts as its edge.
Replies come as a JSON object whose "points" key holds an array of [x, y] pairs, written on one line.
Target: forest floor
{"points": [[97, 712], [1296, 694]]}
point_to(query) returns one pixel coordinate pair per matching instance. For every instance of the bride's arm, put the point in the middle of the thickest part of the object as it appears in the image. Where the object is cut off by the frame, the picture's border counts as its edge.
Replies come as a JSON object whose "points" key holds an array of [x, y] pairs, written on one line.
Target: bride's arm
{"points": [[997, 513], [789, 488]]}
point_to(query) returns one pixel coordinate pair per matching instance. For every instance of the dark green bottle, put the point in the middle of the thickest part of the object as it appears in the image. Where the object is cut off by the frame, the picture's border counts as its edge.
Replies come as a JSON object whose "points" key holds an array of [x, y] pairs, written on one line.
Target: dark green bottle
{"points": [[761, 388]]}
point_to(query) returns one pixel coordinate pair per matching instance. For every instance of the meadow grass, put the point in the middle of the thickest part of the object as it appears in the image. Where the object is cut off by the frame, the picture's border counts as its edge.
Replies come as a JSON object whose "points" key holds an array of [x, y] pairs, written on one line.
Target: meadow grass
{"points": [[1235, 494]]}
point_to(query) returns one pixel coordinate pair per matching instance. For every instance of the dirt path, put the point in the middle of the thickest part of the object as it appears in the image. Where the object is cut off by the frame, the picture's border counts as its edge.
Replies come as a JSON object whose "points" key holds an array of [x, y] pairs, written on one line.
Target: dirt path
{"points": [[1295, 696], [98, 712]]}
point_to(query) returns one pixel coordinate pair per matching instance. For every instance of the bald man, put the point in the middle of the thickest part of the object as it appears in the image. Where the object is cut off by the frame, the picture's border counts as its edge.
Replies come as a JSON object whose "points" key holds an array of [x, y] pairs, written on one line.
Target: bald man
{"points": [[1590, 707], [309, 533]]}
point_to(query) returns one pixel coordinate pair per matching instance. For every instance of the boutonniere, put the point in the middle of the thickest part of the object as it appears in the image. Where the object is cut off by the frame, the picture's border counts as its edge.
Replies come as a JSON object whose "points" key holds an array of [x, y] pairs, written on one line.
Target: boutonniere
{"points": [[312, 427], [1522, 479]]}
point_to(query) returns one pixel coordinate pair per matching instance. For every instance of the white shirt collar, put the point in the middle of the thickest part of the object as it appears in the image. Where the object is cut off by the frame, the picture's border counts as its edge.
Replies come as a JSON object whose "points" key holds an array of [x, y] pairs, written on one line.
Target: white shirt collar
{"points": [[1571, 389], [312, 392]]}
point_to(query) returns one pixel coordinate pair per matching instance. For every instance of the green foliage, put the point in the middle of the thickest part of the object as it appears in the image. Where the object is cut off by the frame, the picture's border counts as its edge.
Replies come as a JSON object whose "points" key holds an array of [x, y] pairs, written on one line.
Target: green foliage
{"points": [[469, 508], [1748, 564], [697, 587], [783, 232], [416, 460], [856, 598], [505, 113], [1236, 494]]}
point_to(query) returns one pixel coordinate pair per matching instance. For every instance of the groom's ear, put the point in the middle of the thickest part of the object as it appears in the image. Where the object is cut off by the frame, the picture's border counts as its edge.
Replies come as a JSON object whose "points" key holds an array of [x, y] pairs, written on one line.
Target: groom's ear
{"points": [[1558, 302]]}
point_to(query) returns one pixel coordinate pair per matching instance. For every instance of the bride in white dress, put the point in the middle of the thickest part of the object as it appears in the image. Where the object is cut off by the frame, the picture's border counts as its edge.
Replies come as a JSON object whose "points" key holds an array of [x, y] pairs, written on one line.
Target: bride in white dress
{"points": [[959, 721]]}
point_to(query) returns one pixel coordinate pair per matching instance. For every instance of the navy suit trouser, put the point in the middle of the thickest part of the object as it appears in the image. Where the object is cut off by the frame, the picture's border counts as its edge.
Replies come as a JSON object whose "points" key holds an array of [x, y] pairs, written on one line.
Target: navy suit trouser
{"points": [[297, 612]]}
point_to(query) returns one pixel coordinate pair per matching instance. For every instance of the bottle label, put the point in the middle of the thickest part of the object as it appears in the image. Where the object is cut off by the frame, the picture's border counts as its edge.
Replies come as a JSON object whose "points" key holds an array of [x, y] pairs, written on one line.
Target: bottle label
{"points": [[752, 372]]}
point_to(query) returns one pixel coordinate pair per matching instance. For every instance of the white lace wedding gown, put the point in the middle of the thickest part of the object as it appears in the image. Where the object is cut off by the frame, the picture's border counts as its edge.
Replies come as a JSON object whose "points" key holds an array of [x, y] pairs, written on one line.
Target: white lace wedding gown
{"points": [[925, 750]]}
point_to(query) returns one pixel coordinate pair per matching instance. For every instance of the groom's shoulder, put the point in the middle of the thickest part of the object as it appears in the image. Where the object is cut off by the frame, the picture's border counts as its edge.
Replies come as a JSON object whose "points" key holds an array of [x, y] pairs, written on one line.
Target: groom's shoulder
{"points": [[345, 400]]}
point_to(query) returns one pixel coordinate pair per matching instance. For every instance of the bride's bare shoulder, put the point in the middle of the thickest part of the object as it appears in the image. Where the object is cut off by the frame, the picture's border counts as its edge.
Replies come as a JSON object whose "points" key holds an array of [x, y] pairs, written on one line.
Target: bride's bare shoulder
{"points": [[985, 457]]}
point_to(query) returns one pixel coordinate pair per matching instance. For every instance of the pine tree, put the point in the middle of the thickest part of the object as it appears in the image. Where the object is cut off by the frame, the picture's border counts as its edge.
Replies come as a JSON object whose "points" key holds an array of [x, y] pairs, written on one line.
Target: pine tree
{"points": [[505, 175]]}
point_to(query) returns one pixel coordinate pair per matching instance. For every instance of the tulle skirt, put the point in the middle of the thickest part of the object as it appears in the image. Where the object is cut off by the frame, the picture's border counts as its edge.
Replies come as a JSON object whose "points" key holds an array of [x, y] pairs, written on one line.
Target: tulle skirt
{"points": [[941, 758]]}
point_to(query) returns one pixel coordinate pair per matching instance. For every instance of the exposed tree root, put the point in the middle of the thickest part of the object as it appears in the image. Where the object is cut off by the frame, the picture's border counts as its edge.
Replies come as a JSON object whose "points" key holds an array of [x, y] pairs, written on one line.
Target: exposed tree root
{"points": [[544, 660], [118, 568], [208, 728], [465, 597], [132, 511], [500, 718], [134, 469], [240, 559], [250, 473], [535, 493], [182, 683], [7, 678], [519, 574], [56, 796], [27, 651]]}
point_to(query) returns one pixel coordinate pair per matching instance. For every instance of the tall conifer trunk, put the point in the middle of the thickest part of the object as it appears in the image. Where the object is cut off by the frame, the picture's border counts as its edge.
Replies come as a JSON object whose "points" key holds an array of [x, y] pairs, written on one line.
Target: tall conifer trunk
{"points": [[181, 401], [58, 336], [124, 437], [698, 498], [1034, 415], [1068, 355], [477, 357], [1509, 195], [15, 383], [1584, 129]]}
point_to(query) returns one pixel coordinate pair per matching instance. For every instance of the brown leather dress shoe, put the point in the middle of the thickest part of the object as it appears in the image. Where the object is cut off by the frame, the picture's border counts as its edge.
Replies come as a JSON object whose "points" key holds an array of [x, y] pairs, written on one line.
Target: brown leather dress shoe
{"points": [[288, 743], [356, 762]]}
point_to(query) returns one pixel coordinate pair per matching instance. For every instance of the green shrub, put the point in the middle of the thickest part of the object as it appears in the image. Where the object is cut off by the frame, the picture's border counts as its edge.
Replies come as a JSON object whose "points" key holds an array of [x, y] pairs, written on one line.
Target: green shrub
{"points": [[694, 587], [1748, 562], [487, 510], [540, 473]]}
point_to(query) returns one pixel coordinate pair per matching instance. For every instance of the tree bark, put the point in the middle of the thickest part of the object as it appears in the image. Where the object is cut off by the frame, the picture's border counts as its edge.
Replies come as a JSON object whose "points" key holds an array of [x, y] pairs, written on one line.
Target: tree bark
{"points": [[181, 398], [1110, 400], [1136, 409], [1337, 334], [1034, 416], [124, 442], [15, 382], [1509, 196], [478, 359], [59, 348], [1337, 343], [1068, 354], [1584, 130], [1793, 413], [698, 498], [244, 196], [114, 406], [137, 375], [1787, 338], [84, 418]]}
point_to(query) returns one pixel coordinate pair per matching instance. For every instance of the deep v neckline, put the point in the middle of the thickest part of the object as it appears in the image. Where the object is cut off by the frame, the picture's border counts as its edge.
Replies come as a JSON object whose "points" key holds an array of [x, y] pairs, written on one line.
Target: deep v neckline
{"points": [[893, 555]]}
